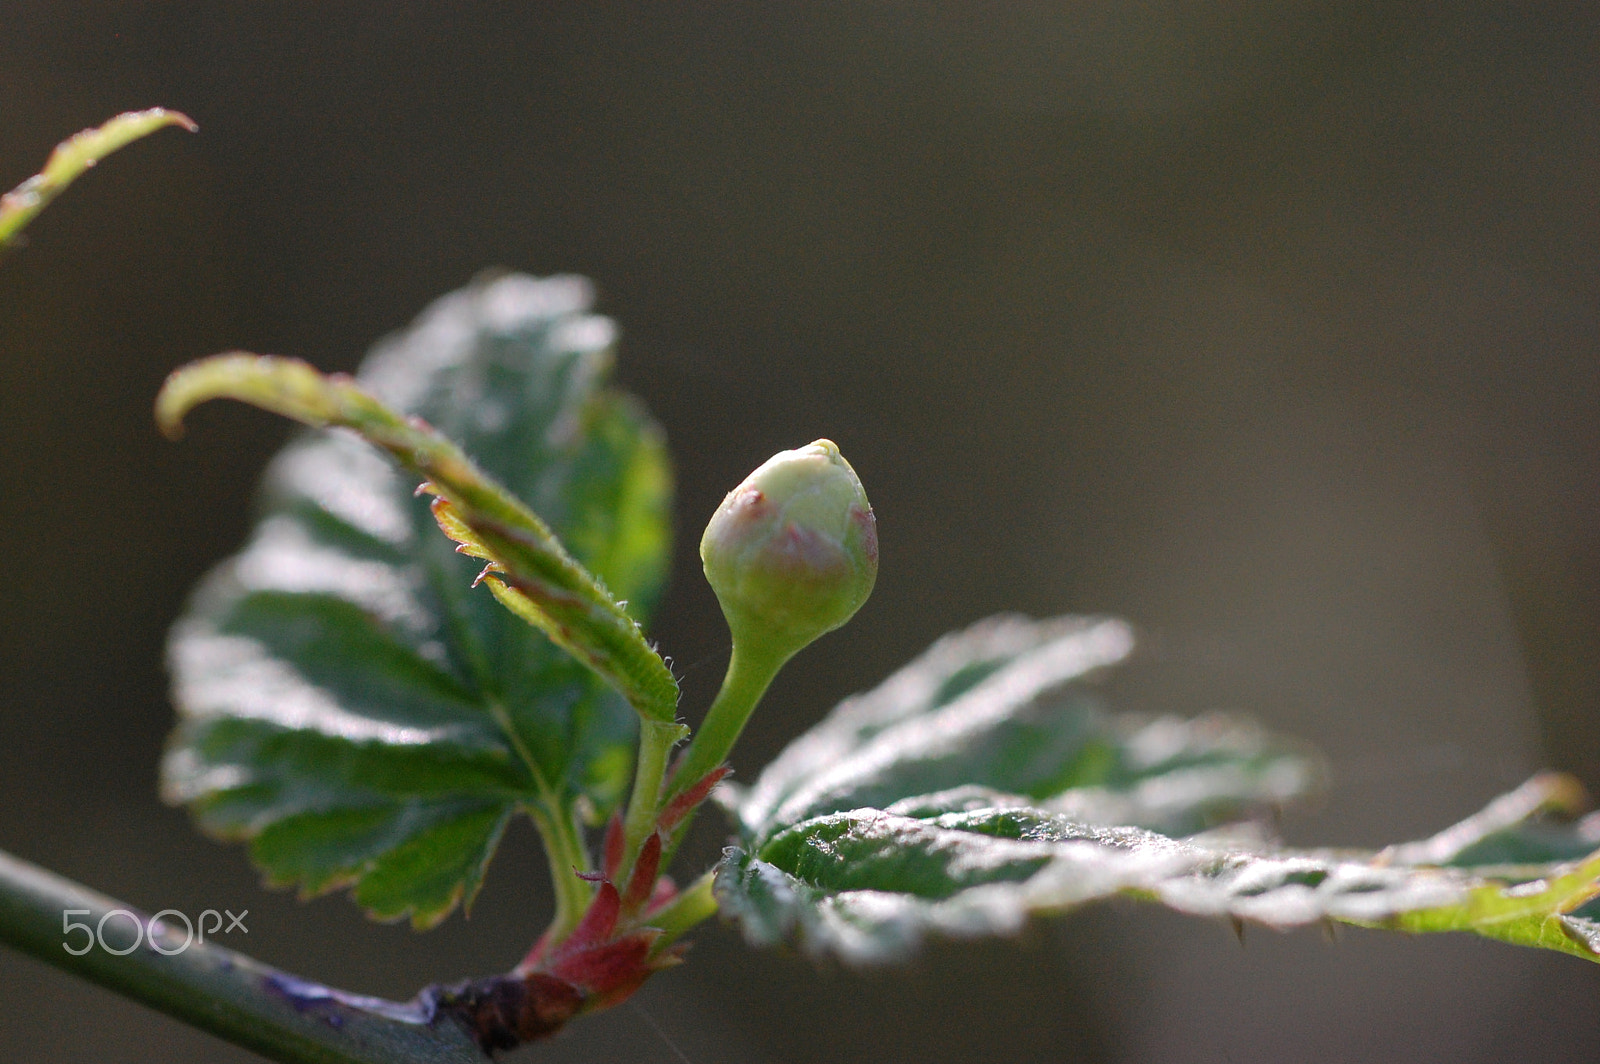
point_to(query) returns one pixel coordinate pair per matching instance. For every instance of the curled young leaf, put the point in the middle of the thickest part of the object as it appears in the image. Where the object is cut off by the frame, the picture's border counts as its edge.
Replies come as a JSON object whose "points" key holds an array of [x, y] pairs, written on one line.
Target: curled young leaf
{"points": [[72, 157], [532, 572]]}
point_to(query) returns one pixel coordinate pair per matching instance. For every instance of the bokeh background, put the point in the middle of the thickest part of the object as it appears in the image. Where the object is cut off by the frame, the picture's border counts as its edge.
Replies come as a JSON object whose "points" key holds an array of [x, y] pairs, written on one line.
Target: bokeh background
{"points": [[1270, 326]]}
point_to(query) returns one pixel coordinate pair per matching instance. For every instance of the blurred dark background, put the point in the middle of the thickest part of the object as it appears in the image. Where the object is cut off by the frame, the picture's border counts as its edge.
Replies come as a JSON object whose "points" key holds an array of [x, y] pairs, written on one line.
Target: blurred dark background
{"points": [[1270, 326]]}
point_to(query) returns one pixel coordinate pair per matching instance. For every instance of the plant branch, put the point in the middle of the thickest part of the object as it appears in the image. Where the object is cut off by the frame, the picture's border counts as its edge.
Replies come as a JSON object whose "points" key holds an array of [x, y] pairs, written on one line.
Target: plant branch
{"points": [[228, 994], [656, 741]]}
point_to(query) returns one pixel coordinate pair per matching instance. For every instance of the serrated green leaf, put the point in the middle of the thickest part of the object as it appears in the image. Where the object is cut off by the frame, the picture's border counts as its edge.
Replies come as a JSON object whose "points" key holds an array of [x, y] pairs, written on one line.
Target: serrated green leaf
{"points": [[980, 787], [74, 156], [868, 886], [348, 701], [1009, 706]]}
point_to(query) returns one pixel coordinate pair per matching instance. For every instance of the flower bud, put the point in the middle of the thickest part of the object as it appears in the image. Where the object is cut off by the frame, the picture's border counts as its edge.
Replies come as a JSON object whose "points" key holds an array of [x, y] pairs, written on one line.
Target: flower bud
{"points": [[792, 552]]}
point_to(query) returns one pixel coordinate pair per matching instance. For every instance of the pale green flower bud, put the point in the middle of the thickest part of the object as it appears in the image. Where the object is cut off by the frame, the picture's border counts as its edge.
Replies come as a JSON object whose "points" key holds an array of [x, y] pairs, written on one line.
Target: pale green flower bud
{"points": [[792, 552]]}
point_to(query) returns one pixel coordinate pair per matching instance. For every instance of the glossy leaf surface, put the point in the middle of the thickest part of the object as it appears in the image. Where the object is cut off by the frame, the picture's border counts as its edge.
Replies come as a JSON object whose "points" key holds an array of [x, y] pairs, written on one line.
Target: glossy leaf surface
{"points": [[982, 785], [349, 701]]}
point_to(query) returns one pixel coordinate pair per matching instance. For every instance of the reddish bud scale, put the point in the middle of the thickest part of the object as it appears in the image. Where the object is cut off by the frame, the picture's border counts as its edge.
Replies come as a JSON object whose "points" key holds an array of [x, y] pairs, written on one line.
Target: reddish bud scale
{"points": [[612, 859], [607, 956], [645, 869], [680, 806], [599, 971], [597, 924]]}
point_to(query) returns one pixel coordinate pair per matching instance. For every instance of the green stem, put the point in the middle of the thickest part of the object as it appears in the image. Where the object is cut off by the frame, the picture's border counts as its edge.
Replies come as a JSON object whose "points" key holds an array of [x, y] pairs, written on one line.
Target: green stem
{"points": [[248, 1003], [747, 679], [656, 740], [565, 852], [563, 845], [695, 904]]}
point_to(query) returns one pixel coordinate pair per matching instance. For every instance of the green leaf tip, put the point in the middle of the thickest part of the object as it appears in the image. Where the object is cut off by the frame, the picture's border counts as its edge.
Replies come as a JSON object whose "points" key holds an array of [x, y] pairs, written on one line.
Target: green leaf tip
{"points": [[286, 386], [72, 157]]}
